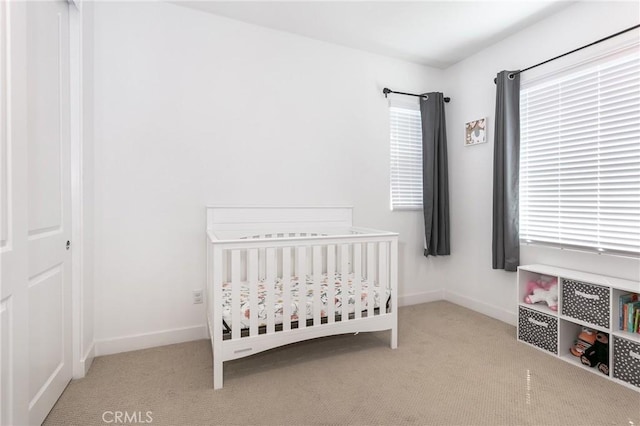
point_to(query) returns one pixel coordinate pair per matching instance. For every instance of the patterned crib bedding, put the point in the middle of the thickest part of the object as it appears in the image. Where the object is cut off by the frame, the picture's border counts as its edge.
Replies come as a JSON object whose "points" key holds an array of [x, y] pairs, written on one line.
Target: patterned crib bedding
{"points": [[341, 291]]}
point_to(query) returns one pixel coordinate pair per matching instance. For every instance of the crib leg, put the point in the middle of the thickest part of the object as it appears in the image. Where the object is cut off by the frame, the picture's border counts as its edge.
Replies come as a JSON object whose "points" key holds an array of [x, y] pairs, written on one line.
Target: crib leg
{"points": [[394, 338], [217, 374], [216, 351]]}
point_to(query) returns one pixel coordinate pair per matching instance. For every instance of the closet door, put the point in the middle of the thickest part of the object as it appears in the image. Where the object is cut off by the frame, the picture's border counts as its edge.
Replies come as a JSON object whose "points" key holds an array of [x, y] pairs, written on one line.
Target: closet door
{"points": [[13, 216], [49, 224], [35, 297]]}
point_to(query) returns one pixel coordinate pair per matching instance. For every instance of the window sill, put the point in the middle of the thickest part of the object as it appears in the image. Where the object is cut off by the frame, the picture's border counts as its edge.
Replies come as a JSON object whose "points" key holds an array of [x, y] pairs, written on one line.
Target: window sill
{"points": [[580, 249], [403, 209]]}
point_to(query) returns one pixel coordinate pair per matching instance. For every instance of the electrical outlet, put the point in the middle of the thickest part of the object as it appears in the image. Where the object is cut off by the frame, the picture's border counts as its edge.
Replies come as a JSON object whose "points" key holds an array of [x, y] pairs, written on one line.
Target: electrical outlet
{"points": [[197, 297]]}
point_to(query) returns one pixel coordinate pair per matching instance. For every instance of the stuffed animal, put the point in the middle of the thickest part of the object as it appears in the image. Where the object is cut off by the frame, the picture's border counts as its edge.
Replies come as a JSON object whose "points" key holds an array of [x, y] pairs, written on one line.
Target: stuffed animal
{"points": [[585, 340], [598, 354], [543, 290]]}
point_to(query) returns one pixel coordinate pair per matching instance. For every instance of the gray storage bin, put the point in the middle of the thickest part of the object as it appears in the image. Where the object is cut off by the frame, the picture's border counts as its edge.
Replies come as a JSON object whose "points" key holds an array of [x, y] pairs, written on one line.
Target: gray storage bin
{"points": [[586, 302], [538, 329], [626, 360]]}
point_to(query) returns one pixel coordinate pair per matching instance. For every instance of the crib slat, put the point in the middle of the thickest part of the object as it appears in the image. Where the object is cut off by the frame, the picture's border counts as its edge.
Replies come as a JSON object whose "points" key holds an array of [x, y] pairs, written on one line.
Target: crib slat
{"points": [[235, 295], [270, 282], [344, 279], [286, 288], [317, 282], [262, 266], [383, 277], [357, 279], [252, 278], [393, 289], [370, 278], [301, 272], [331, 282]]}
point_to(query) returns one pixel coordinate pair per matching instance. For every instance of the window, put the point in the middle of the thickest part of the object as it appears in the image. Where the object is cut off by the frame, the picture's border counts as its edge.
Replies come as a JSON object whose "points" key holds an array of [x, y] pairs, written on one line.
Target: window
{"points": [[580, 158], [406, 156]]}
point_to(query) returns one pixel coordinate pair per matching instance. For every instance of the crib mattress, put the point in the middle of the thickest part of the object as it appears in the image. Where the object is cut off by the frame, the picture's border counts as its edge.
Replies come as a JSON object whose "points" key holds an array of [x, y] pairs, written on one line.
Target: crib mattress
{"points": [[342, 292]]}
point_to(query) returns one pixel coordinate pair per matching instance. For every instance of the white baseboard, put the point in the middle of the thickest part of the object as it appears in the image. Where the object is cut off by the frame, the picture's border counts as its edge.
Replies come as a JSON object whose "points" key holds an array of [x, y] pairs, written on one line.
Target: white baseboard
{"points": [[150, 340], [423, 297], [84, 363], [87, 360], [484, 308]]}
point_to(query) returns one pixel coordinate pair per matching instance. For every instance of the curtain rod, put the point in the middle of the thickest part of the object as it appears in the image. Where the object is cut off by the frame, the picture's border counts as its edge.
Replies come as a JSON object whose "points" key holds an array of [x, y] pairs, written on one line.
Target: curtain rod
{"points": [[574, 50], [387, 91]]}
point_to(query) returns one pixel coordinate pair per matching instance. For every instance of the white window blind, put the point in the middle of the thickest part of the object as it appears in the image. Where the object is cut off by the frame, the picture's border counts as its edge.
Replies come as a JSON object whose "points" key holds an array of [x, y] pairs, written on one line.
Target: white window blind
{"points": [[406, 157], [580, 158]]}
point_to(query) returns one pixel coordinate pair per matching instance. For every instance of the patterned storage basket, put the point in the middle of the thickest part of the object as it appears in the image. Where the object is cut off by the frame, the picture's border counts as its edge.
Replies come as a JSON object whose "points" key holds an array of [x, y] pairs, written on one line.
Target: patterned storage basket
{"points": [[538, 329], [626, 361], [586, 302]]}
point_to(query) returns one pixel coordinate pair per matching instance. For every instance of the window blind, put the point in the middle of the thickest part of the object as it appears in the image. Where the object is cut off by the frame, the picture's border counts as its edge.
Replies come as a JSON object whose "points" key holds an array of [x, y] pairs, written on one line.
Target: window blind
{"points": [[406, 157], [580, 158]]}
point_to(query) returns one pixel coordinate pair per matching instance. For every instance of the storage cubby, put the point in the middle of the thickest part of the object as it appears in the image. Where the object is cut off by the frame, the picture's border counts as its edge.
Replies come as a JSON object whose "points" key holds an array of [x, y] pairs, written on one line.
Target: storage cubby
{"points": [[569, 331], [617, 310], [584, 300], [626, 354], [538, 329]]}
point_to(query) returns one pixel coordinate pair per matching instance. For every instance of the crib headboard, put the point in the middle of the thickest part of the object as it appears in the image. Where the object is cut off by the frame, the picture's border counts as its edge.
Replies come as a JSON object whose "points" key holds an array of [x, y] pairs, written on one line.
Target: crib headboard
{"points": [[236, 218]]}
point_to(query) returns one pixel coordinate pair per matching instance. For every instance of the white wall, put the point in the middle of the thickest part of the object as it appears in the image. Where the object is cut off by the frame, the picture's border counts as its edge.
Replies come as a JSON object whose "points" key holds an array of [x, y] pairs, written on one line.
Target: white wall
{"points": [[471, 281], [194, 109]]}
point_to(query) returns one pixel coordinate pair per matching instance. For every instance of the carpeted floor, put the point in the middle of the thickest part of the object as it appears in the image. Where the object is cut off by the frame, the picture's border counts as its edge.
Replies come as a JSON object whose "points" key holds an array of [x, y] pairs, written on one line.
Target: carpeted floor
{"points": [[452, 367]]}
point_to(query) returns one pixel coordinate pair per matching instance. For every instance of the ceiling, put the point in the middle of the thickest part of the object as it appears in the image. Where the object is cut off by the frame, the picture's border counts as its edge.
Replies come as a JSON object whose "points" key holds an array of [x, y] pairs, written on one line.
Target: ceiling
{"points": [[434, 33]]}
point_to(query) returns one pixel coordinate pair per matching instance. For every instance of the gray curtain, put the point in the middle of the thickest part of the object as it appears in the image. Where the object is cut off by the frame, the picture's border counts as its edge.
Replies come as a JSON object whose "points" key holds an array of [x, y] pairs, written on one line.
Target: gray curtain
{"points": [[435, 175], [506, 169]]}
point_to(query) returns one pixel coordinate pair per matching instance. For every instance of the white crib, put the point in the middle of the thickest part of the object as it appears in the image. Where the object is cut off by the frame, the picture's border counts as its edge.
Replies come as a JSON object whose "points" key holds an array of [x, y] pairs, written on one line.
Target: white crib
{"points": [[280, 275]]}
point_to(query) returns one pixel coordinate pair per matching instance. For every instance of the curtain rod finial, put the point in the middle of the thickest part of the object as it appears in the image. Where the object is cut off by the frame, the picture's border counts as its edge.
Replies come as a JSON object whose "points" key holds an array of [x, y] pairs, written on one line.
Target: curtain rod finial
{"points": [[386, 91]]}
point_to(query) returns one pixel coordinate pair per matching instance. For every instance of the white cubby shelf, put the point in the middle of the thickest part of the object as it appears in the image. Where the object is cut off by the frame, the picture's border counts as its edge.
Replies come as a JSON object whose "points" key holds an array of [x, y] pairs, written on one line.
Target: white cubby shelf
{"points": [[584, 300]]}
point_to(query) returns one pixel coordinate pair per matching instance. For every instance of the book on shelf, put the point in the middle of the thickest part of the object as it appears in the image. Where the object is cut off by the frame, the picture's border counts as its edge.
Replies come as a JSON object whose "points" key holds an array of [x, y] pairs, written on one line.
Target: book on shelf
{"points": [[624, 301], [632, 310]]}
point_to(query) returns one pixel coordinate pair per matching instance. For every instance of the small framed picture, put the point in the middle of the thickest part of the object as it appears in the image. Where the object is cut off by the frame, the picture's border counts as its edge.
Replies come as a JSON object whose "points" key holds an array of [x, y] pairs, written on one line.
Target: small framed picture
{"points": [[475, 132]]}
